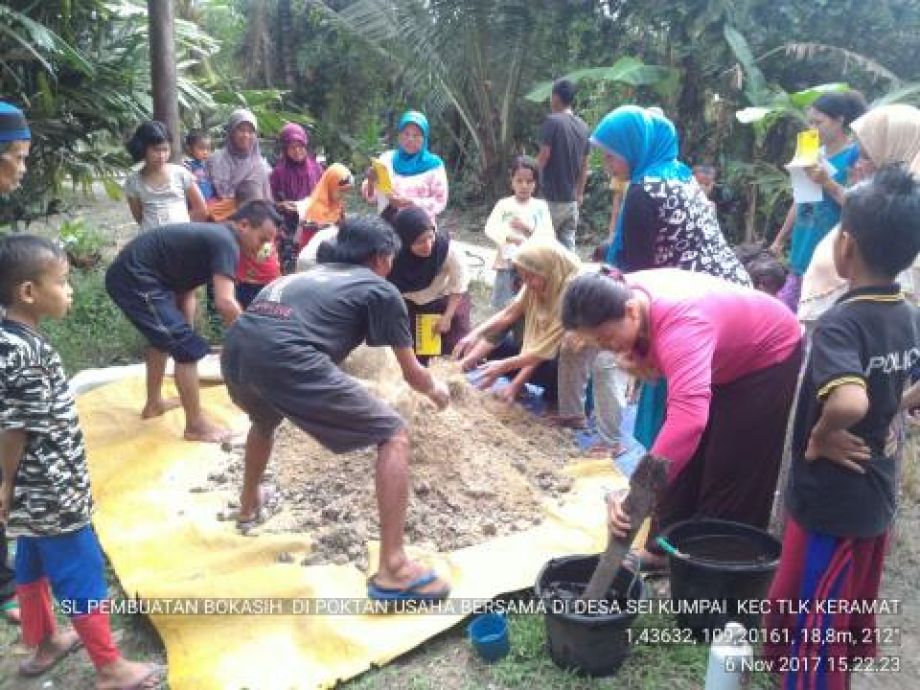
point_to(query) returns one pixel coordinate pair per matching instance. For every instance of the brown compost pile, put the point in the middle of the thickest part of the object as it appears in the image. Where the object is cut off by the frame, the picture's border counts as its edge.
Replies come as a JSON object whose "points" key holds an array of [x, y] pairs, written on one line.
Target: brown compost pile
{"points": [[477, 469]]}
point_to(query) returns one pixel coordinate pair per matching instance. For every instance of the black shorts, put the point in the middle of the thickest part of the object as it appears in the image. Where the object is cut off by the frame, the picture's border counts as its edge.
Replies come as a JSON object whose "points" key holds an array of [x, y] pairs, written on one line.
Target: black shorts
{"points": [[153, 310], [306, 387]]}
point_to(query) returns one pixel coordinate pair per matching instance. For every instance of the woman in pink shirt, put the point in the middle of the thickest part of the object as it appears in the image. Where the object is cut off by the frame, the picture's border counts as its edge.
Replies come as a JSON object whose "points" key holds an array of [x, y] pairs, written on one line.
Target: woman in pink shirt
{"points": [[730, 356]]}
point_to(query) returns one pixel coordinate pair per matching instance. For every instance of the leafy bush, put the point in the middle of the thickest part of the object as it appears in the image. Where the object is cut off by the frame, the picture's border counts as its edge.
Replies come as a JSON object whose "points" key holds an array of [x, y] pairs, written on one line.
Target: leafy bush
{"points": [[83, 244]]}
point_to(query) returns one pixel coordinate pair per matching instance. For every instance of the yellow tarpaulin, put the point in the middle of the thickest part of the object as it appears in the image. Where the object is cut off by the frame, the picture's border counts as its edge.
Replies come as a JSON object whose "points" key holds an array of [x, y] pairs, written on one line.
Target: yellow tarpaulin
{"points": [[165, 542]]}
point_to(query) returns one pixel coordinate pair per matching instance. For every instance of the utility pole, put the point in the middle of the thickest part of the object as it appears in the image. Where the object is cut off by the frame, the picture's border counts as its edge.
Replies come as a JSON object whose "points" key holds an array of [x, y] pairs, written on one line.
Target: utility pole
{"points": [[162, 28]]}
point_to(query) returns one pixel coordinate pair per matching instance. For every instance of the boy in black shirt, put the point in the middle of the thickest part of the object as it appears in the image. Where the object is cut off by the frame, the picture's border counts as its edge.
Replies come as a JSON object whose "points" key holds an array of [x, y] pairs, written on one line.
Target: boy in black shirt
{"points": [[152, 278], [843, 483], [45, 498]]}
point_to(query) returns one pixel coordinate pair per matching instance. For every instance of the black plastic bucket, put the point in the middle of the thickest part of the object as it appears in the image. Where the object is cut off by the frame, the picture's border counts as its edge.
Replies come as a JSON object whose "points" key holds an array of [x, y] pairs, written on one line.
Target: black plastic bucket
{"points": [[593, 645], [728, 564]]}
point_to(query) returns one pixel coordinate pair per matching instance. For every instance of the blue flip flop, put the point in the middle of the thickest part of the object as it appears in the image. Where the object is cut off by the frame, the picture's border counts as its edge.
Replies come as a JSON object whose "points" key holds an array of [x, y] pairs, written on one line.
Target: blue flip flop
{"points": [[409, 592]]}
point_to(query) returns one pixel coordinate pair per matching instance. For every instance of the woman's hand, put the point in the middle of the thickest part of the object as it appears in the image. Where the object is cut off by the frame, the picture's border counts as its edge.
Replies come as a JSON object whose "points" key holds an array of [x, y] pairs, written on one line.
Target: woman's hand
{"points": [[520, 226], [840, 447], [442, 325], [777, 248], [508, 394], [465, 345], [617, 520], [398, 201], [489, 373], [818, 174]]}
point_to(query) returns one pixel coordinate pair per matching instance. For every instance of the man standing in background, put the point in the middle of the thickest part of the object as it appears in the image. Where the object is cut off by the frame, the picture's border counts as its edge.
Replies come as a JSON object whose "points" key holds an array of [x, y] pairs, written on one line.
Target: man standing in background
{"points": [[563, 161]]}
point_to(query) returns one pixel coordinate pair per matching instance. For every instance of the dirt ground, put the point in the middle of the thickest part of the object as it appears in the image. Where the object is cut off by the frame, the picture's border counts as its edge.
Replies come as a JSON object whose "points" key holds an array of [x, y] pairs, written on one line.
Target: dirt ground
{"points": [[478, 469]]}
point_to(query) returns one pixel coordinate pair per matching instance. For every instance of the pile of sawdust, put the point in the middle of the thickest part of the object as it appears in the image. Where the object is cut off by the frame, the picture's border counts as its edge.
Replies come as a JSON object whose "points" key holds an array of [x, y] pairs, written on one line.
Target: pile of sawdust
{"points": [[478, 469]]}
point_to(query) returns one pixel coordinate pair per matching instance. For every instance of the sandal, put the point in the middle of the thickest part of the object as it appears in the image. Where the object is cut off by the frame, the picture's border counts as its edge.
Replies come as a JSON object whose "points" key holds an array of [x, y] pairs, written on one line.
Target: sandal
{"points": [[32, 669], [565, 421], [603, 450], [10, 610]]}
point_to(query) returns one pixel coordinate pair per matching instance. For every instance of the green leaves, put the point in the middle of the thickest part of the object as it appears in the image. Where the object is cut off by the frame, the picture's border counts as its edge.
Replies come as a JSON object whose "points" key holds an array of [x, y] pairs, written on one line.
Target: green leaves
{"points": [[626, 70]]}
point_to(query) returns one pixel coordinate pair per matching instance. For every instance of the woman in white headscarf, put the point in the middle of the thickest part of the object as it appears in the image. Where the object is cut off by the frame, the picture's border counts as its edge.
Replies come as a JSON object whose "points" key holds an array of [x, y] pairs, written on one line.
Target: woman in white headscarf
{"points": [[887, 134]]}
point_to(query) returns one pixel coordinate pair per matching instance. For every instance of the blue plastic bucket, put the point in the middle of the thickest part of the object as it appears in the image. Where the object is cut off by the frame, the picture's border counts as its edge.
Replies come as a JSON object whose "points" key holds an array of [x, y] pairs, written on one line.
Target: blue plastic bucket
{"points": [[489, 635]]}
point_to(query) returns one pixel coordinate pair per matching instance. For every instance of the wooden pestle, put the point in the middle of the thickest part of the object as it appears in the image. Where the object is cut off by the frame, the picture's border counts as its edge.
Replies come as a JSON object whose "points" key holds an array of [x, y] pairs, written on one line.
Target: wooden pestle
{"points": [[650, 477]]}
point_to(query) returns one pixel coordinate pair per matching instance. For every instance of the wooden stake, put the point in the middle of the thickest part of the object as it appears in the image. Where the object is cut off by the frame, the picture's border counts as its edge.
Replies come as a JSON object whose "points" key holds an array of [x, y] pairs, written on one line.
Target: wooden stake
{"points": [[649, 479]]}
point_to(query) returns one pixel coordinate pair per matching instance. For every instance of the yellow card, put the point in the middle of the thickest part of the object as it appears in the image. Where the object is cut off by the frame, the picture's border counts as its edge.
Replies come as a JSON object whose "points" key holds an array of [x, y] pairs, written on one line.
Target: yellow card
{"points": [[807, 148], [383, 183], [427, 339]]}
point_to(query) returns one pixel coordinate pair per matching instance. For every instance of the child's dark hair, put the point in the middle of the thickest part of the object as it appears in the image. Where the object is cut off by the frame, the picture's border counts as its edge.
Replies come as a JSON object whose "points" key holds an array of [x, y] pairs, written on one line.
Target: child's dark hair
{"points": [[593, 298], [750, 252], [530, 164], [883, 216], [767, 273], [148, 134], [564, 90], [248, 190], [24, 258], [196, 136], [257, 212], [360, 239], [848, 105]]}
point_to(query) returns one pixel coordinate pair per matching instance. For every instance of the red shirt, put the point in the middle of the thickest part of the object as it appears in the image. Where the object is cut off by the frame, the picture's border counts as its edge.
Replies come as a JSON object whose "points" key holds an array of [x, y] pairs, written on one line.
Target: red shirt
{"points": [[258, 271]]}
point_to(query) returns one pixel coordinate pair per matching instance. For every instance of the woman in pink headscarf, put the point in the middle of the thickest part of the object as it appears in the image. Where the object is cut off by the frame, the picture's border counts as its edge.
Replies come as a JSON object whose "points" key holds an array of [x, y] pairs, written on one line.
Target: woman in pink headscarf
{"points": [[293, 179]]}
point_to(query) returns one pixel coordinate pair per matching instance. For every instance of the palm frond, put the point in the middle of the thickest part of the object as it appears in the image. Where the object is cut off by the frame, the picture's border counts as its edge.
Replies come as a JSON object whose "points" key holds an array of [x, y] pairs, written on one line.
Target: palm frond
{"points": [[848, 58]]}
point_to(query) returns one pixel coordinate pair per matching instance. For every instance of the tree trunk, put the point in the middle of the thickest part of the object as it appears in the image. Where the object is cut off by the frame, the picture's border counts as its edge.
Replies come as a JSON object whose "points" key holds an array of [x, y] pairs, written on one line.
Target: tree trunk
{"points": [[162, 19], [285, 43]]}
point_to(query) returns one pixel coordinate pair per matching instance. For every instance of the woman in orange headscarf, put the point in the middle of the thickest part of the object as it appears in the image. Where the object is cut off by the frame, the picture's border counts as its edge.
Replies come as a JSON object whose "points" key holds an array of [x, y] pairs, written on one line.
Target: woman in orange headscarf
{"points": [[325, 204]]}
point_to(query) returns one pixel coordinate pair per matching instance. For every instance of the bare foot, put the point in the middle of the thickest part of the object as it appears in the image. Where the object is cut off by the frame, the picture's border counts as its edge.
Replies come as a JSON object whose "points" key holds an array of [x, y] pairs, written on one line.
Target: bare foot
{"points": [[205, 432], [159, 408], [128, 674], [50, 652], [406, 574]]}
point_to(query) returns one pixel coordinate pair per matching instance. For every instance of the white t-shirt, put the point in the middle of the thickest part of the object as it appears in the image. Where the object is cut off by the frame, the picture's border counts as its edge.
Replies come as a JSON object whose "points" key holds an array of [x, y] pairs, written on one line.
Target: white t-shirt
{"points": [[162, 205]]}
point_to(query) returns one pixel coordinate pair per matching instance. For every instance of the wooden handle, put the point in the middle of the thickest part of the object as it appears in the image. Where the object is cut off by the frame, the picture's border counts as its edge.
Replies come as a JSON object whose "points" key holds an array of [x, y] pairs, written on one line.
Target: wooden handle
{"points": [[649, 479]]}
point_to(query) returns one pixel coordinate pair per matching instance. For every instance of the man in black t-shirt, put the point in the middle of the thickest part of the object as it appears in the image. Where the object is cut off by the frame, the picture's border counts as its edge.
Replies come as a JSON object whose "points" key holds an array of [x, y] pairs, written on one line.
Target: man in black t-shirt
{"points": [[843, 483], [153, 280], [563, 161], [280, 361]]}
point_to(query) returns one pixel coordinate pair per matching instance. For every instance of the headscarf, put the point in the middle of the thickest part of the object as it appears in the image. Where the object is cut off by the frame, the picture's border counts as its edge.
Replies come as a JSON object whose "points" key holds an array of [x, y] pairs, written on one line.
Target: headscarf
{"points": [[410, 272], [294, 180], [229, 167], [321, 207], [649, 144], [888, 134], [421, 162], [13, 125], [891, 134], [543, 313]]}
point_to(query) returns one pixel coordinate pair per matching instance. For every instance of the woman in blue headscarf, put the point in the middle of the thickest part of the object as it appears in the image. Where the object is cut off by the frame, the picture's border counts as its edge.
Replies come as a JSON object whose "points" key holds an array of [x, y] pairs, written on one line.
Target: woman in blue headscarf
{"points": [[418, 176], [666, 220]]}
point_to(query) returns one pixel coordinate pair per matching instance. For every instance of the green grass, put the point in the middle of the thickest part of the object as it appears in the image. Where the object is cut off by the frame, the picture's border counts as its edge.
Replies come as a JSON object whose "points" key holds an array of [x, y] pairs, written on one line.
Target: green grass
{"points": [[448, 663]]}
